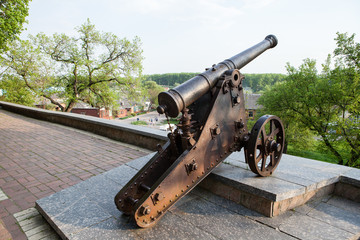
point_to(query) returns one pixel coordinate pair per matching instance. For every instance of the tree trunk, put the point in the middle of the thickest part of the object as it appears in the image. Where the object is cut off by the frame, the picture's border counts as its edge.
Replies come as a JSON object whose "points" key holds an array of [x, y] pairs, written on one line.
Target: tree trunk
{"points": [[333, 150], [70, 106]]}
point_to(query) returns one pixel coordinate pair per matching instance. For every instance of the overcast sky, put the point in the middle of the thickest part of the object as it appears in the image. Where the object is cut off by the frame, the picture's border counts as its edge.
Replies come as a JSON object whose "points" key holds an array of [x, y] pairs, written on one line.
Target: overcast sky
{"points": [[189, 35]]}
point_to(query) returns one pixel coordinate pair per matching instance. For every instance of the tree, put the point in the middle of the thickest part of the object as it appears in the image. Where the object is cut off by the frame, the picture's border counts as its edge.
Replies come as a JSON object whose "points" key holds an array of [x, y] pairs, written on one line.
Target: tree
{"points": [[13, 14], [327, 104], [16, 91], [152, 90], [94, 67]]}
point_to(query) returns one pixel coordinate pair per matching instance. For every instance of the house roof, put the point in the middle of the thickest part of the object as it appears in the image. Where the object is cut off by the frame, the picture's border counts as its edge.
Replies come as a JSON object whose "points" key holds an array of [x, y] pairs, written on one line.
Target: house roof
{"points": [[251, 101]]}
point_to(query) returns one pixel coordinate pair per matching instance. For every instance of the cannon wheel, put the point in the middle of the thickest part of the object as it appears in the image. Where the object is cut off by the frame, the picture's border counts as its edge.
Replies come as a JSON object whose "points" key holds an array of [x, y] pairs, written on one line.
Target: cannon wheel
{"points": [[265, 146]]}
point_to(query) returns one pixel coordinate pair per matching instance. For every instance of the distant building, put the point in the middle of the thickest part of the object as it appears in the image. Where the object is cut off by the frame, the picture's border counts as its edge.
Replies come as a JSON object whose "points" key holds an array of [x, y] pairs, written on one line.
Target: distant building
{"points": [[95, 112], [85, 109], [251, 105]]}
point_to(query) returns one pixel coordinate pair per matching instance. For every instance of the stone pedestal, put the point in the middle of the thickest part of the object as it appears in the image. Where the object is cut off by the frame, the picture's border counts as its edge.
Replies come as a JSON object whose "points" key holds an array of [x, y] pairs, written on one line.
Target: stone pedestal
{"points": [[87, 210]]}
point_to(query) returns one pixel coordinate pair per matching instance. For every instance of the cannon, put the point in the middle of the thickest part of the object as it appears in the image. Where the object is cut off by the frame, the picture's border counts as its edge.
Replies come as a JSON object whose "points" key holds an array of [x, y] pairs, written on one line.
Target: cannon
{"points": [[213, 124]]}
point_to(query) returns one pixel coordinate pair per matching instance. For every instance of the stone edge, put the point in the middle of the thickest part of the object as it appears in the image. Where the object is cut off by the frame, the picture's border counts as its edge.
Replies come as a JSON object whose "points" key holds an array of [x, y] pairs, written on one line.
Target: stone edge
{"points": [[136, 135]]}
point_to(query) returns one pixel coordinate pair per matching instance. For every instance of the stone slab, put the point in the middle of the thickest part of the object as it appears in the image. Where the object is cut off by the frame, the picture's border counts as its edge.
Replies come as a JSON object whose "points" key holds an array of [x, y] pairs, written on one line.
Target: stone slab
{"points": [[87, 210], [303, 227]]}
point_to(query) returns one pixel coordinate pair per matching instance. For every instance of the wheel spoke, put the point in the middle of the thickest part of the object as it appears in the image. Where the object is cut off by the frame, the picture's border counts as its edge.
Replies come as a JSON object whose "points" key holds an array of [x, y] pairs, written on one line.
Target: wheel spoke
{"points": [[272, 158], [263, 133]]}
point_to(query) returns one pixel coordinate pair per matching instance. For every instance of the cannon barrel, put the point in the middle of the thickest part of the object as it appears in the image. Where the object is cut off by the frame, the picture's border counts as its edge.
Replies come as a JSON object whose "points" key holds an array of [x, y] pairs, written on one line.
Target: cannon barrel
{"points": [[178, 98]]}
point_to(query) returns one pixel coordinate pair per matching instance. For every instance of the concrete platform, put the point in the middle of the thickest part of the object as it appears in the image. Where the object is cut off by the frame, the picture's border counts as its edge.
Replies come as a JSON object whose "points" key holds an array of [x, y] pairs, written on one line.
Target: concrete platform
{"points": [[87, 210], [295, 181]]}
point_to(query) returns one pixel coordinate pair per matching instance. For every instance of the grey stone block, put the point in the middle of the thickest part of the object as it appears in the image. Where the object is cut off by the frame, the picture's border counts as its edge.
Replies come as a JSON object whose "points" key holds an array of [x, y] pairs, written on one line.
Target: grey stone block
{"points": [[140, 162], [225, 224], [337, 217], [121, 174], [345, 204], [225, 203], [308, 169], [79, 215], [305, 227], [54, 204], [351, 177], [270, 187], [174, 227], [102, 191], [111, 228]]}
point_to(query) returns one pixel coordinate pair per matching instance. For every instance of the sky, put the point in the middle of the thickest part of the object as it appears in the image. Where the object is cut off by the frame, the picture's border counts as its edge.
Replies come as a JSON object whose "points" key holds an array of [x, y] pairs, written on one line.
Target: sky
{"points": [[190, 35]]}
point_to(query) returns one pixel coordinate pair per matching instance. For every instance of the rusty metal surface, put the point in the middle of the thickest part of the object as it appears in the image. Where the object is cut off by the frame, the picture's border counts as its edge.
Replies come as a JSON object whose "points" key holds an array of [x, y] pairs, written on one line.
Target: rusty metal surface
{"points": [[175, 100], [265, 146], [213, 124]]}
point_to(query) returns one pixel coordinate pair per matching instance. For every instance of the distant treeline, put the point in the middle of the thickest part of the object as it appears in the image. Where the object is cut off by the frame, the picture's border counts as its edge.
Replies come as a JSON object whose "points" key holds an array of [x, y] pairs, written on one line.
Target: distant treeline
{"points": [[256, 82], [170, 79]]}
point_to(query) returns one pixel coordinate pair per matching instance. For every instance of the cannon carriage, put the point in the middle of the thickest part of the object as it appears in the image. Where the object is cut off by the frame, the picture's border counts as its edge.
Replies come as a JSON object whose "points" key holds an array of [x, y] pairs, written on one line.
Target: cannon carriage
{"points": [[213, 124]]}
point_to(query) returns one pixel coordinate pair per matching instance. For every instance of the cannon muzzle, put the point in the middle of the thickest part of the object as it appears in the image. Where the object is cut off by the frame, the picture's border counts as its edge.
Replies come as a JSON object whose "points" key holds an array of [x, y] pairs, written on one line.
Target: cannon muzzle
{"points": [[178, 98]]}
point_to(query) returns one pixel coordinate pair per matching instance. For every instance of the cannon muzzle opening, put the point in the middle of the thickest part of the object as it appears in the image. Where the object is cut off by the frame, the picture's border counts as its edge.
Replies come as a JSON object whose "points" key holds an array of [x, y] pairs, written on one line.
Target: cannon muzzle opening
{"points": [[272, 39]]}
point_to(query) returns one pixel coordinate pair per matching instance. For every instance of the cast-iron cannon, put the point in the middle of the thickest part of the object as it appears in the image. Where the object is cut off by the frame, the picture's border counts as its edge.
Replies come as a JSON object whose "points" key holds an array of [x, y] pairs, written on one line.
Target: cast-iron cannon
{"points": [[213, 124]]}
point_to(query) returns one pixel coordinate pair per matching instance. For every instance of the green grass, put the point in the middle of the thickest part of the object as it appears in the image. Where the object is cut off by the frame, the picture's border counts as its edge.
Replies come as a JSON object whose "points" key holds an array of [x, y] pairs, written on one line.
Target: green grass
{"points": [[171, 120], [312, 154], [139, 123], [133, 115]]}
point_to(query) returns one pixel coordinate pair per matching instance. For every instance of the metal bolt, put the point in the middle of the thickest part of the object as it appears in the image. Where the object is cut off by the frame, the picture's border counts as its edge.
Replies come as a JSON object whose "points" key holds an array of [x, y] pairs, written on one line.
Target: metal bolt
{"points": [[159, 196], [193, 166], [237, 99], [145, 210]]}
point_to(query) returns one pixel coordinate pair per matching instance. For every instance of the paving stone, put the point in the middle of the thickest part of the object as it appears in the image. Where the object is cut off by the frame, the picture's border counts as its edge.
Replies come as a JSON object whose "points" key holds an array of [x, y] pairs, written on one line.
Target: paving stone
{"points": [[351, 177], [274, 222], [2, 195], [44, 235], [304, 227], [121, 174], [174, 227], [337, 217], [81, 214], [237, 159], [269, 187], [39, 158], [110, 228], [34, 225], [224, 224], [345, 204], [102, 191], [140, 162], [60, 200], [310, 170], [37, 230], [225, 203], [26, 214], [306, 208]]}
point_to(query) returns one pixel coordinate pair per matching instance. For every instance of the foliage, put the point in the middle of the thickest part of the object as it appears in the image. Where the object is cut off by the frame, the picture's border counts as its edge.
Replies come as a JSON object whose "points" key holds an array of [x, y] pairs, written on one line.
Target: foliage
{"points": [[257, 82], [171, 121], [326, 105], [16, 91], [139, 122], [13, 14], [170, 79], [312, 153], [92, 67], [152, 90]]}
